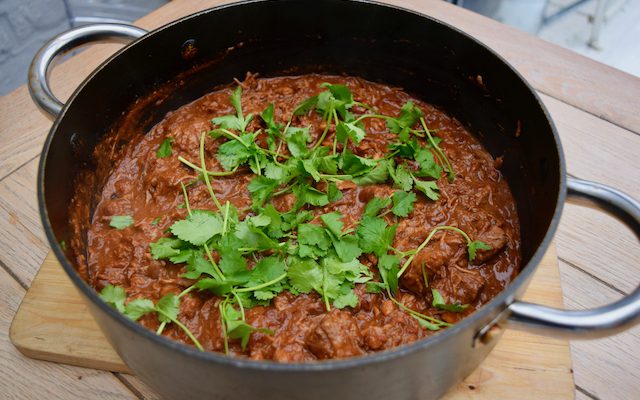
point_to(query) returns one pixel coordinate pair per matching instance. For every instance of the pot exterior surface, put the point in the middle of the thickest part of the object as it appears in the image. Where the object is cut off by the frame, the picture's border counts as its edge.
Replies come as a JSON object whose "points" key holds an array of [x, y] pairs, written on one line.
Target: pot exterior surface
{"points": [[380, 43]]}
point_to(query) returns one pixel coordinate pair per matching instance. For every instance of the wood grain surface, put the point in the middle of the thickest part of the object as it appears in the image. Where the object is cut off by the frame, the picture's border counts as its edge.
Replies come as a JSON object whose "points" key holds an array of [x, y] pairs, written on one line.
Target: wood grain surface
{"points": [[594, 107], [53, 323]]}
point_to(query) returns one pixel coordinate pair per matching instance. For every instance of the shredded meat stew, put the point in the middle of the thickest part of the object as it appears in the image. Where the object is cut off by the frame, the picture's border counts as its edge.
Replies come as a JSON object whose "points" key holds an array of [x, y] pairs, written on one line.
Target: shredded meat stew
{"points": [[291, 247]]}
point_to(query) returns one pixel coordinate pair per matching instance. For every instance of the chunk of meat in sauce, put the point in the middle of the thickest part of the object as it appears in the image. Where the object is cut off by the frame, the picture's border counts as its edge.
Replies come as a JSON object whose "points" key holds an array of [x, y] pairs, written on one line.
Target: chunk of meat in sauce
{"points": [[335, 336]]}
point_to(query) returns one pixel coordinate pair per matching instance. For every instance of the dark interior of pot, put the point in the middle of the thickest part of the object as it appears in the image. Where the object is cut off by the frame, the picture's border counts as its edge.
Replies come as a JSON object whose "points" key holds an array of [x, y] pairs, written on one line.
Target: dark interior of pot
{"points": [[429, 60]]}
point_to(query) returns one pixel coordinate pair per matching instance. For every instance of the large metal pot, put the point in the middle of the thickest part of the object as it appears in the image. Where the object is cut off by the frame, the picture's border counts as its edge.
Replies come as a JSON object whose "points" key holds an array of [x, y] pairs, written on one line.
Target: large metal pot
{"points": [[428, 58]]}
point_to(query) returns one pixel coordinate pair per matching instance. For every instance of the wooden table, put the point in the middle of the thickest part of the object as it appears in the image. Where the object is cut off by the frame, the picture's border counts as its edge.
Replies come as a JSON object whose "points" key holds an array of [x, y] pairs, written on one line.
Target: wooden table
{"points": [[596, 109]]}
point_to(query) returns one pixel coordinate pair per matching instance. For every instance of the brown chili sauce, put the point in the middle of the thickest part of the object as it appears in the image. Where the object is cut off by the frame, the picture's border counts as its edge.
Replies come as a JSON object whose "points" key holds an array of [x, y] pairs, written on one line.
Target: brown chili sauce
{"points": [[298, 328]]}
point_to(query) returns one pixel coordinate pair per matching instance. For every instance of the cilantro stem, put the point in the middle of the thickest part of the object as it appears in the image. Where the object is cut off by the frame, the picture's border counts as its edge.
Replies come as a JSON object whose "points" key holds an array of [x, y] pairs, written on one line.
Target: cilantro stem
{"points": [[450, 173], [239, 304], [206, 176], [368, 107], [163, 324], [262, 285], [184, 328], [335, 136], [326, 129], [283, 191], [281, 137], [379, 116], [232, 135], [186, 291], [424, 243], [274, 154], [186, 198], [223, 325], [255, 157], [424, 277], [324, 287], [213, 262], [226, 218], [416, 313], [212, 173]]}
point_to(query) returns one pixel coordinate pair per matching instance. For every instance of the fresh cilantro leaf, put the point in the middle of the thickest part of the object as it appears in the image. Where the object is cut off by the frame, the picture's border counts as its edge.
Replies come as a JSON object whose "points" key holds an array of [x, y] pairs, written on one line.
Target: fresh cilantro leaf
{"points": [[338, 97], [183, 256], [306, 194], [236, 327], [138, 307], [349, 130], [215, 286], [155, 221], [409, 116], [253, 237], [352, 271], [427, 162], [165, 148], [279, 173], [375, 287], [297, 139], [474, 246], [197, 265], [234, 265], [305, 275], [333, 222], [349, 299], [403, 203], [402, 177], [229, 122], [235, 122], [312, 241], [407, 149], [374, 235], [438, 302], [273, 129], [379, 174], [388, 265], [426, 324], [267, 269], [313, 234], [198, 227], [309, 165], [375, 205], [347, 247], [261, 188], [234, 153], [429, 188], [304, 107], [114, 296], [165, 247], [355, 165], [333, 193], [121, 221], [275, 228], [168, 307], [291, 219]]}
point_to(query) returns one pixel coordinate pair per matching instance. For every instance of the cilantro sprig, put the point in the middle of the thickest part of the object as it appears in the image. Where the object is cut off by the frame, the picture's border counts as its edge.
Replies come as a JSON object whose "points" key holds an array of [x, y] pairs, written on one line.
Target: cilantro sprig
{"points": [[166, 309]]}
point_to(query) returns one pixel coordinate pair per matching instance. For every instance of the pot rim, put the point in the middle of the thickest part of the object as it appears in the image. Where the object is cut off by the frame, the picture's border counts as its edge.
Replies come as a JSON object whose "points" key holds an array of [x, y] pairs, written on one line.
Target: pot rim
{"points": [[505, 297]]}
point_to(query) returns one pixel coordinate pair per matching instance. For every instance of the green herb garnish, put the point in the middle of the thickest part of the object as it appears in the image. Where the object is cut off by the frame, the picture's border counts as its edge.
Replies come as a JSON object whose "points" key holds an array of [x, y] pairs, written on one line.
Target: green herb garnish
{"points": [[121, 221]]}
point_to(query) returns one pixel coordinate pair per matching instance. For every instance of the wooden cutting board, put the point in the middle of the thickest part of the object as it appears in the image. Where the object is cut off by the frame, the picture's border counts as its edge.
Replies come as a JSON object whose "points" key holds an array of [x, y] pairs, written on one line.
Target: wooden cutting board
{"points": [[54, 324]]}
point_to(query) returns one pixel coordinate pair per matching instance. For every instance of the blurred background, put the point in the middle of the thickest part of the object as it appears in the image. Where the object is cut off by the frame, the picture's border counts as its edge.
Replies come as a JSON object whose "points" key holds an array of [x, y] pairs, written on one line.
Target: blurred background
{"points": [[605, 30]]}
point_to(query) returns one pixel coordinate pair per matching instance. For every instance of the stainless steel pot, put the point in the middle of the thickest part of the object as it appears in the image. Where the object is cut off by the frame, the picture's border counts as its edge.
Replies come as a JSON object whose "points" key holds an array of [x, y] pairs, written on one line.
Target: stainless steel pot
{"points": [[428, 58]]}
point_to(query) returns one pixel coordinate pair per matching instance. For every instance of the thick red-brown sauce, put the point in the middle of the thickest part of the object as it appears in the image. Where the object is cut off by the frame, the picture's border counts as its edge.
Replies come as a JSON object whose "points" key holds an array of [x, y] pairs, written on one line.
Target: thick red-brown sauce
{"points": [[144, 186]]}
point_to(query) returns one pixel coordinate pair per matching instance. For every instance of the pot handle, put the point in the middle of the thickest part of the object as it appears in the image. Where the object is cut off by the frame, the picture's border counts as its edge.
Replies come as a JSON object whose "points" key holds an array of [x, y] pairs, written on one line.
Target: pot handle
{"points": [[598, 322], [38, 78]]}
